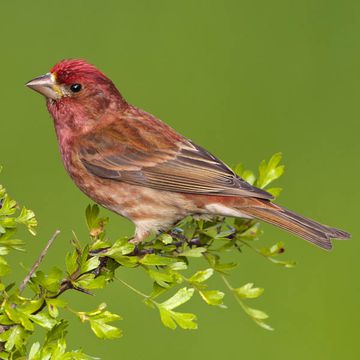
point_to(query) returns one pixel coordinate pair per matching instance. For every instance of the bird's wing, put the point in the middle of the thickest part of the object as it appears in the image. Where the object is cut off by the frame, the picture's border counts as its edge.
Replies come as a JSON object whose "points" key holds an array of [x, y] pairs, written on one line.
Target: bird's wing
{"points": [[151, 154]]}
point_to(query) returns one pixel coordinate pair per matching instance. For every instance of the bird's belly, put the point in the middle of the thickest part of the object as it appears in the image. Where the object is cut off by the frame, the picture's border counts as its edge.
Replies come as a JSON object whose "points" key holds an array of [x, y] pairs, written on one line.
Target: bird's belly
{"points": [[144, 206], [148, 208]]}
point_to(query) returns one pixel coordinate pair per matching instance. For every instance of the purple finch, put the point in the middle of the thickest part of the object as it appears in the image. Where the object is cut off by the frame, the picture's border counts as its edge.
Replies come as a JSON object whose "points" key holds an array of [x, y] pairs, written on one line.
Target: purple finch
{"points": [[130, 162]]}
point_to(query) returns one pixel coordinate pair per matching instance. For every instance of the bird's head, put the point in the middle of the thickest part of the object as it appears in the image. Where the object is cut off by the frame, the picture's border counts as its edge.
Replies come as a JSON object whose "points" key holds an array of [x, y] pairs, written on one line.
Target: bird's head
{"points": [[75, 87]]}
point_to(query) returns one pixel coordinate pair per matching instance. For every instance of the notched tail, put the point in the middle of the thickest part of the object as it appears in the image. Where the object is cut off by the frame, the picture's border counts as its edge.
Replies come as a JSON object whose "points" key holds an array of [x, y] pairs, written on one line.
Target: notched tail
{"points": [[310, 230]]}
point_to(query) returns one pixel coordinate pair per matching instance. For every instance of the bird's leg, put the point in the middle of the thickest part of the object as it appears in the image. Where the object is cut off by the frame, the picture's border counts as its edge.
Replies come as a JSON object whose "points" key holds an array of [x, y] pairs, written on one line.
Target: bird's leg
{"points": [[140, 235]]}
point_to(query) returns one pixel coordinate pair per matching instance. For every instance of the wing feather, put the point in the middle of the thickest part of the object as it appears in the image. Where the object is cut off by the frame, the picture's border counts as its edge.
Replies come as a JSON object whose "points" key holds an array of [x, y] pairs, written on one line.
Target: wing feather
{"points": [[172, 164]]}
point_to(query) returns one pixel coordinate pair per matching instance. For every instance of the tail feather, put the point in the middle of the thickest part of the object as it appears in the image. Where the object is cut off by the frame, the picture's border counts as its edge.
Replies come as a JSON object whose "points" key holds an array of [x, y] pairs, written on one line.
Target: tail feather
{"points": [[310, 230]]}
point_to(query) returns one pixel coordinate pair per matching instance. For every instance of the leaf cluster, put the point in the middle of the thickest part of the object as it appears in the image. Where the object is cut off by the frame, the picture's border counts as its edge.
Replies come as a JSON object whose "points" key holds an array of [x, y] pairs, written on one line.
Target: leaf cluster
{"points": [[167, 260]]}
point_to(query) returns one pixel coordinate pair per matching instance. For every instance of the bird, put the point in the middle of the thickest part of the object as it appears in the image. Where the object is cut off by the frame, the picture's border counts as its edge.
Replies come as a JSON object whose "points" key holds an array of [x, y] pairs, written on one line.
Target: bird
{"points": [[132, 163]]}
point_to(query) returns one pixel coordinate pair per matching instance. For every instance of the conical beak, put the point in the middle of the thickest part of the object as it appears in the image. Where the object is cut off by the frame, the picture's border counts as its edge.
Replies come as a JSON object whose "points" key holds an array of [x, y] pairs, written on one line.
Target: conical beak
{"points": [[46, 85]]}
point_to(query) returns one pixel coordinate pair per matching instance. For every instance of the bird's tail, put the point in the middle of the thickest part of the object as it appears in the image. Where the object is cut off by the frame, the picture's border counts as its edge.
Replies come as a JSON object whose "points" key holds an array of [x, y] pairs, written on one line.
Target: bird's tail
{"points": [[310, 230]]}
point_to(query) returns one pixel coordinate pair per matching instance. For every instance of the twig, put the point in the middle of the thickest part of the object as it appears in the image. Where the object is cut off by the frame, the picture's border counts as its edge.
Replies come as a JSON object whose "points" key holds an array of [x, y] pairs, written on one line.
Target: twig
{"points": [[38, 261]]}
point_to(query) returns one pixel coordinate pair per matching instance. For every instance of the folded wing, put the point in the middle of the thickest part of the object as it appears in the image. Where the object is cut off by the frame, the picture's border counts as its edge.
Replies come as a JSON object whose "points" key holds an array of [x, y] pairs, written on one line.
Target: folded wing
{"points": [[157, 157]]}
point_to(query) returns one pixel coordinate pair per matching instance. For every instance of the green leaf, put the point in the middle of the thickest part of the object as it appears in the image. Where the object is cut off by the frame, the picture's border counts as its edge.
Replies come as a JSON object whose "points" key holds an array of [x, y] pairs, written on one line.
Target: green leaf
{"points": [[178, 265], [269, 172], [18, 317], [171, 319], [51, 281], [101, 328], [275, 191], [181, 297], [15, 338], [166, 239], [44, 320], [127, 261], [89, 282], [27, 218], [71, 262], [264, 325], [30, 306], [4, 267], [201, 276], [274, 250], [99, 320], [34, 351], [249, 177], [157, 291], [286, 263], [91, 214], [56, 333], [120, 247], [256, 314], [90, 264], [212, 297], [238, 169], [162, 278], [248, 291], [53, 305], [189, 230], [194, 252], [153, 259]]}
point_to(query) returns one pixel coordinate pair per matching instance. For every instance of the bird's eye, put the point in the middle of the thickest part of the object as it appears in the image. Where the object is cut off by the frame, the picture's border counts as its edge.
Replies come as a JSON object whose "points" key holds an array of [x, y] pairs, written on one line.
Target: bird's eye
{"points": [[75, 88]]}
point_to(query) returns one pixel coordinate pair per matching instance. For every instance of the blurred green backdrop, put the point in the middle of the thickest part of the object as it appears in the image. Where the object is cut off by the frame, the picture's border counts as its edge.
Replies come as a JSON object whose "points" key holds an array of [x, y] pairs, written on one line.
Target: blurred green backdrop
{"points": [[243, 79]]}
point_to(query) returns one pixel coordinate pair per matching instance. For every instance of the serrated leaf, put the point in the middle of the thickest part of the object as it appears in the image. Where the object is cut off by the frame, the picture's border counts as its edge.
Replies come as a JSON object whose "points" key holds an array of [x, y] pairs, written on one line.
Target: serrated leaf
{"points": [[275, 191], [157, 291], [101, 328], [269, 172], [189, 230], [224, 268], [44, 320], [162, 278], [30, 306], [16, 337], [94, 222], [91, 213], [57, 332], [238, 169], [171, 319], [71, 262], [249, 176], [34, 351], [201, 276], [18, 317], [120, 247], [178, 265], [182, 296], [53, 305], [127, 261], [247, 291], [153, 259], [89, 282], [166, 239], [90, 264], [4, 267], [274, 250], [194, 252], [212, 297]]}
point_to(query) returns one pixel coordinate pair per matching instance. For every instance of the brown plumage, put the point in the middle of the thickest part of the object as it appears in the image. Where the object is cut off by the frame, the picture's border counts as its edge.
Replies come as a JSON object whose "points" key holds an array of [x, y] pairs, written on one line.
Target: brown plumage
{"points": [[135, 165]]}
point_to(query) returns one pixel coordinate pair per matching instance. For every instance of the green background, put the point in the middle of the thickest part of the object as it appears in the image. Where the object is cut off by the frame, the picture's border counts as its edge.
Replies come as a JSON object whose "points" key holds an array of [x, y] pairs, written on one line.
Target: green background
{"points": [[243, 79]]}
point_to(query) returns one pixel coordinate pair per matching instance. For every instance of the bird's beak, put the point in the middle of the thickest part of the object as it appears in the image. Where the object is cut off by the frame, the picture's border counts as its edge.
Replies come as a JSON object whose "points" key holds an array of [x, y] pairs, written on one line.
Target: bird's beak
{"points": [[46, 85]]}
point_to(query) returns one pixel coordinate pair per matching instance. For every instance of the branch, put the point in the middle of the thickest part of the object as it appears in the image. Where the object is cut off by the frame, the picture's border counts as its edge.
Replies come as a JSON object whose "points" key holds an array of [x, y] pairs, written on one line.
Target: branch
{"points": [[38, 261]]}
